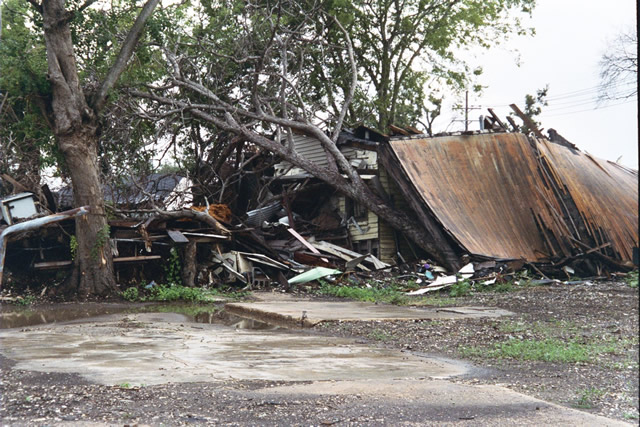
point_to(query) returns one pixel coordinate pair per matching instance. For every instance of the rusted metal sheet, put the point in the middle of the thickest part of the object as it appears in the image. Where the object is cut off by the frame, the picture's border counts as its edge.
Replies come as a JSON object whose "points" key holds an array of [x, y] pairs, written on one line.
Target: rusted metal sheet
{"points": [[34, 224], [605, 193], [490, 193]]}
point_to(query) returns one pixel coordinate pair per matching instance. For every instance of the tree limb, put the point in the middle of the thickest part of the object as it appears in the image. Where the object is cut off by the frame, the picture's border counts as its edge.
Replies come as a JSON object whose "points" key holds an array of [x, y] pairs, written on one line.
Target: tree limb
{"points": [[128, 46]]}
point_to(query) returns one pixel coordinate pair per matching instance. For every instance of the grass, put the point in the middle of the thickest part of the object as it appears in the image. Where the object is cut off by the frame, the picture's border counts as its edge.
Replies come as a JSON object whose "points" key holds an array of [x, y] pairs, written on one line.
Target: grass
{"points": [[632, 279], [549, 350], [389, 294], [460, 289], [588, 397], [392, 294], [379, 335], [26, 300], [173, 293], [555, 328]]}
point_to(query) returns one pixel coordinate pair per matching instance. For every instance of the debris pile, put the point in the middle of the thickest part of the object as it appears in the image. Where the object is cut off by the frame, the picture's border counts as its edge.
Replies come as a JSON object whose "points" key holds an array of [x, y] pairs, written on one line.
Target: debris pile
{"points": [[497, 202]]}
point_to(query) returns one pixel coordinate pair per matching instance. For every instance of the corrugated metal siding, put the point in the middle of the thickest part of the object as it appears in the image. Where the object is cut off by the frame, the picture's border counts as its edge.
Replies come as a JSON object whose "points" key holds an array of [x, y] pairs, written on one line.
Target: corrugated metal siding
{"points": [[486, 191], [605, 193]]}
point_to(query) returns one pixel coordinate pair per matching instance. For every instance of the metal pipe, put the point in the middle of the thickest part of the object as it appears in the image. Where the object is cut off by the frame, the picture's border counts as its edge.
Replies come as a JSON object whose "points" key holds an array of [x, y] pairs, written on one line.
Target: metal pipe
{"points": [[32, 225]]}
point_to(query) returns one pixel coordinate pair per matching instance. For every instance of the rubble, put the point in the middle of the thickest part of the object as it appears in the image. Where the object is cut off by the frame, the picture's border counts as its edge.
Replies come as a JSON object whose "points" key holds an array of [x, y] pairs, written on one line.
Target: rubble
{"points": [[499, 201]]}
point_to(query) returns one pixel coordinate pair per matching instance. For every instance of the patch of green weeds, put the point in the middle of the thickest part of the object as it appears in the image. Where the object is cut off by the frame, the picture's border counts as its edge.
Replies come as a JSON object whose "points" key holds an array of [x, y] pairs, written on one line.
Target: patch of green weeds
{"points": [[164, 293], [549, 350], [551, 328], [588, 397], [171, 293], [632, 279], [393, 293], [379, 335], [131, 294], [173, 269], [630, 416], [25, 300], [73, 247], [124, 385], [460, 289], [389, 294]]}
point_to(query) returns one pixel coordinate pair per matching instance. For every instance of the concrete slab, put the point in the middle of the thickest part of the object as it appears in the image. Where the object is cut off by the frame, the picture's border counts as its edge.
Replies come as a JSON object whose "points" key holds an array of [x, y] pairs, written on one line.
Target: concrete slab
{"points": [[157, 348], [443, 402], [306, 313], [164, 347]]}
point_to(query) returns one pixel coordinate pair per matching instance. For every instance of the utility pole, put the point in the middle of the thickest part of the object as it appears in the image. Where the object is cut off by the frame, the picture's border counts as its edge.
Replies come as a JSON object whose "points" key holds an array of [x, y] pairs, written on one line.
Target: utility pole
{"points": [[467, 108], [466, 111]]}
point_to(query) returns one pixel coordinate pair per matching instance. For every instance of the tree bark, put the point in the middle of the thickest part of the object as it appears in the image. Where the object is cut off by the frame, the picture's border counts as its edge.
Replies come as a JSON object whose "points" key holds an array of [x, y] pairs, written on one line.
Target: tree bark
{"points": [[189, 265], [75, 125], [75, 128], [94, 274]]}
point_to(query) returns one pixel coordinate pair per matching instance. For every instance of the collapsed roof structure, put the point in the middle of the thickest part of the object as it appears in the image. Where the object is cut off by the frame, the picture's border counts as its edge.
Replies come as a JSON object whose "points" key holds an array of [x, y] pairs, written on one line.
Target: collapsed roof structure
{"points": [[502, 197], [510, 196]]}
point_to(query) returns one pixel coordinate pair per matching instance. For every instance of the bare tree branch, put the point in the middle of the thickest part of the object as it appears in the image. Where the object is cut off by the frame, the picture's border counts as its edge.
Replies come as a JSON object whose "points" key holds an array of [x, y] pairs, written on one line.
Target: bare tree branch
{"points": [[354, 82], [126, 51]]}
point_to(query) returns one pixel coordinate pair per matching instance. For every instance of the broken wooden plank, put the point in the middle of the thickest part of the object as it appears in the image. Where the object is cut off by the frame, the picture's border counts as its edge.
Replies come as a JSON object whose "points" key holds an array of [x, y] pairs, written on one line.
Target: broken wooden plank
{"points": [[527, 121], [263, 259], [370, 258], [516, 128], [52, 264], [328, 247], [308, 258], [141, 258], [302, 240], [497, 119], [209, 235], [350, 265]]}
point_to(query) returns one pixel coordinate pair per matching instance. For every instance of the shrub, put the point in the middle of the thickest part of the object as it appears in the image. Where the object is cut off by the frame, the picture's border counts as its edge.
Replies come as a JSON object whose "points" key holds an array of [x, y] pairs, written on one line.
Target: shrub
{"points": [[131, 294]]}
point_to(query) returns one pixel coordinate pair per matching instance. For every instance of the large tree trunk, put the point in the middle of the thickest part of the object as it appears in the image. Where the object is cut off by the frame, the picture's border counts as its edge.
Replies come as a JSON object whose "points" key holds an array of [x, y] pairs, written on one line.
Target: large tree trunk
{"points": [[75, 128], [74, 120], [93, 273]]}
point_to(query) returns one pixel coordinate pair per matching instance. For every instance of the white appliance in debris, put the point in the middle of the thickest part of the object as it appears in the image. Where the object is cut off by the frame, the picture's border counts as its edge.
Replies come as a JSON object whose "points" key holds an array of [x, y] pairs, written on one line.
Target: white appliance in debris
{"points": [[18, 206]]}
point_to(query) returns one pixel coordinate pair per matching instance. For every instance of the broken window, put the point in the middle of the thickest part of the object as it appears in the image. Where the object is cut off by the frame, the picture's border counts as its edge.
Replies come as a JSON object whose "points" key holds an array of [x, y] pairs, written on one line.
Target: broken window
{"points": [[355, 209]]}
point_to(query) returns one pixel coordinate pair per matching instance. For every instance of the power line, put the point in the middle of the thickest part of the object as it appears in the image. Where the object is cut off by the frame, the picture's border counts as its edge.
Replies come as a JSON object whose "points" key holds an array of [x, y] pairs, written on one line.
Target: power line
{"points": [[591, 89], [591, 109], [580, 93]]}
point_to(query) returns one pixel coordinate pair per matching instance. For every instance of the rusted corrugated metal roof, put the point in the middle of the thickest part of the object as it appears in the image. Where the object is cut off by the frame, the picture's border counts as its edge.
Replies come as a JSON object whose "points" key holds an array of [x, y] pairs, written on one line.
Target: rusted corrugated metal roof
{"points": [[497, 199], [605, 193]]}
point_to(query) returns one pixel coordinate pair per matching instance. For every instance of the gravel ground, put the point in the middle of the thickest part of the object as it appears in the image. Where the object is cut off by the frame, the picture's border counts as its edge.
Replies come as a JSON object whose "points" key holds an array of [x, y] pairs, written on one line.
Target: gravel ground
{"points": [[605, 312], [602, 312]]}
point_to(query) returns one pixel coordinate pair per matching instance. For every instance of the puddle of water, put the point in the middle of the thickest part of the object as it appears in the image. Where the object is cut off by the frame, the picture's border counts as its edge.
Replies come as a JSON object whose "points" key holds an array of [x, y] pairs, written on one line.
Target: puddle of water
{"points": [[19, 317]]}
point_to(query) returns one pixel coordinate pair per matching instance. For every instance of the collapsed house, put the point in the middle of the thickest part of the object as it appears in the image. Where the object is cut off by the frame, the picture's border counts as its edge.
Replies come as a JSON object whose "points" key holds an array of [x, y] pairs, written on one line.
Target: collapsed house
{"points": [[495, 197]]}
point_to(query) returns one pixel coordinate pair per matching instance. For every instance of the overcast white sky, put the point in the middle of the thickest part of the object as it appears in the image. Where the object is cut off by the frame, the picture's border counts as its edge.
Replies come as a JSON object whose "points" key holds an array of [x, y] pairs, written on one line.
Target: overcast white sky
{"points": [[571, 36]]}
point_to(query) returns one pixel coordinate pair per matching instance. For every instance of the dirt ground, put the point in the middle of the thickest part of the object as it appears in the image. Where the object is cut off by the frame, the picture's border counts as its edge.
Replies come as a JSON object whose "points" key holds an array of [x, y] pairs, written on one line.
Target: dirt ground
{"points": [[605, 312], [585, 313]]}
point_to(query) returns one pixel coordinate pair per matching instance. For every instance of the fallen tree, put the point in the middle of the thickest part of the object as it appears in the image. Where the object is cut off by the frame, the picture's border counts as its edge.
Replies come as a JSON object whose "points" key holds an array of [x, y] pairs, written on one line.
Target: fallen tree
{"points": [[251, 119]]}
